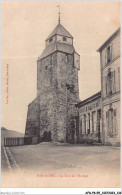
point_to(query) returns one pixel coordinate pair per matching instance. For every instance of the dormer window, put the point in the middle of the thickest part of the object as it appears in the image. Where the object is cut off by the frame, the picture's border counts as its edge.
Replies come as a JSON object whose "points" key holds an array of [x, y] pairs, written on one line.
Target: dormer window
{"points": [[50, 40], [64, 39]]}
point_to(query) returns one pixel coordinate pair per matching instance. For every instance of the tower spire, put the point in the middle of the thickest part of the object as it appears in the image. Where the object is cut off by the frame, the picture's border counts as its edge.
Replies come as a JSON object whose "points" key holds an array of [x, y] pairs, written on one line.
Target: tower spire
{"points": [[58, 14]]}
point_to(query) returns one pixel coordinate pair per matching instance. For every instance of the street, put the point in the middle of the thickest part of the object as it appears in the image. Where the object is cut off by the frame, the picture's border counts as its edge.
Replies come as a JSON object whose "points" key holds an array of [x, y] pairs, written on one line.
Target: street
{"points": [[64, 165]]}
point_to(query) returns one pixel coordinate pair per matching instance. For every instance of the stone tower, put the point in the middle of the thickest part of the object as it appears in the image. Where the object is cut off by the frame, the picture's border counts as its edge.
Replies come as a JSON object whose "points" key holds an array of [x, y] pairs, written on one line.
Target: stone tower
{"points": [[52, 115]]}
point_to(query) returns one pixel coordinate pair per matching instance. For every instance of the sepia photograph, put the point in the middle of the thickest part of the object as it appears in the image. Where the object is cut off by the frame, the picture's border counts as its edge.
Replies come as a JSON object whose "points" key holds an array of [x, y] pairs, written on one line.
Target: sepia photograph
{"points": [[60, 94]]}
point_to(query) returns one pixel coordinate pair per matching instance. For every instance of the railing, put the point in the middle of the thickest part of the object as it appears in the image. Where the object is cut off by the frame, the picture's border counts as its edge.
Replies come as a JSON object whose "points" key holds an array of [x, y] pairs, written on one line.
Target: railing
{"points": [[18, 141]]}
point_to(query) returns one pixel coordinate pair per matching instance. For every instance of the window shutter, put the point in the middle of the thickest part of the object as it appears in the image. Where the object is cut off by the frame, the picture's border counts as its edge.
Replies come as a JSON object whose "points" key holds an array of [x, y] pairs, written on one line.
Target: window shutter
{"points": [[110, 122], [113, 81], [109, 84], [105, 56], [81, 125], [107, 123], [114, 112], [118, 78], [106, 85], [118, 70], [115, 122], [111, 51]]}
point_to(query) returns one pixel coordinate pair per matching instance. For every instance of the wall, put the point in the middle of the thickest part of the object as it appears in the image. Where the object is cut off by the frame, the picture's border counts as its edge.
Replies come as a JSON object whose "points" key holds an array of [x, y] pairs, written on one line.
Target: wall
{"points": [[48, 42], [46, 89], [113, 138], [115, 41], [68, 41], [90, 124], [32, 122], [67, 96], [57, 86], [59, 38], [111, 101]]}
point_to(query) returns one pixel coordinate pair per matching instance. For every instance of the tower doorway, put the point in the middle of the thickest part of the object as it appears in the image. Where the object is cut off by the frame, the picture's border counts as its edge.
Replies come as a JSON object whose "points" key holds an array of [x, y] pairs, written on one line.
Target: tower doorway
{"points": [[47, 136]]}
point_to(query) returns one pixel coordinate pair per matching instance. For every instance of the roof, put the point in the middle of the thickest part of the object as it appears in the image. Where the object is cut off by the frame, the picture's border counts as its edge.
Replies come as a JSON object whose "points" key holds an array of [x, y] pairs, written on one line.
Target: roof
{"points": [[114, 34], [63, 47], [88, 100], [60, 30]]}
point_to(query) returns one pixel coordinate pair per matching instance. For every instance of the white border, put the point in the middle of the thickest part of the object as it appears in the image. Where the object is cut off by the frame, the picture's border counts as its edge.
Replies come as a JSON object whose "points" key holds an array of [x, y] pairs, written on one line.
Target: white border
{"points": [[60, 190]]}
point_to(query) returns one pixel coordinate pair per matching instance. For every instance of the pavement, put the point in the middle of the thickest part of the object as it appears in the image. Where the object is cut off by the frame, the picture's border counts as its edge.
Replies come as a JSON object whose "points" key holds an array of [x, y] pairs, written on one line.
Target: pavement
{"points": [[65, 165], [3, 160]]}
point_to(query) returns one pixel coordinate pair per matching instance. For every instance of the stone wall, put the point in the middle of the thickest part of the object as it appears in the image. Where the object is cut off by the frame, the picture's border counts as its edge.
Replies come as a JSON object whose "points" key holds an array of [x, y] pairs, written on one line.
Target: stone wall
{"points": [[90, 128], [67, 96], [33, 121], [57, 86], [46, 87]]}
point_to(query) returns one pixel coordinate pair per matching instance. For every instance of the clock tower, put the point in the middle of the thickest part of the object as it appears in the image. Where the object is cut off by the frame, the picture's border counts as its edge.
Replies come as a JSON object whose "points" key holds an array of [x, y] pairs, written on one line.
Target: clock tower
{"points": [[57, 88]]}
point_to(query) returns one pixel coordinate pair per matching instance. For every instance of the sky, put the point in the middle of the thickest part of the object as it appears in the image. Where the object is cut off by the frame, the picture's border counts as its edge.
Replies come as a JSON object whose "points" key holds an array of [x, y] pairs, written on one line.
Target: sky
{"points": [[25, 25]]}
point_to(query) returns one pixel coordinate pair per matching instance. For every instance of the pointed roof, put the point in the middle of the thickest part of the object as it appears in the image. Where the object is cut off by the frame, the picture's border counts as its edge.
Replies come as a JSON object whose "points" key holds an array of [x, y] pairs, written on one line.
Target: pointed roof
{"points": [[60, 30]]}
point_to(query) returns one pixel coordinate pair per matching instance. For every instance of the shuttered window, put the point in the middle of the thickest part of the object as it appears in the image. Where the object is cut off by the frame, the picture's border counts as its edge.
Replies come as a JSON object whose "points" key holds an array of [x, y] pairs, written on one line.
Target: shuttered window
{"points": [[108, 54], [111, 122], [112, 82], [85, 123], [115, 121], [106, 85], [118, 71], [81, 130]]}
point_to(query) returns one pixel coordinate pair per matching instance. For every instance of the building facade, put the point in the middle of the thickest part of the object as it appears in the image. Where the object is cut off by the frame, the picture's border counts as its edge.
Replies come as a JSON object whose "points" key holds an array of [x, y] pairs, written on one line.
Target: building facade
{"points": [[110, 89], [90, 124], [52, 115], [99, 115]]}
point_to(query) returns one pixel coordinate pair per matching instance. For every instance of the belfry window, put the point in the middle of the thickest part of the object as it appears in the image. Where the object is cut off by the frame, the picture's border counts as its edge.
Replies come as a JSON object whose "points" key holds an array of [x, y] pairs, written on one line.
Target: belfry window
{"points": [[64, 39]]}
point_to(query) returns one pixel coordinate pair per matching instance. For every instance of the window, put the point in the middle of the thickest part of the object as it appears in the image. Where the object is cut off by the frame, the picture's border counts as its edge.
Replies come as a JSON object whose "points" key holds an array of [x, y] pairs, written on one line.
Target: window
{"points": [[64, 39], [111, 121], [45, 67], [118, 71], [50, 40], [85, 123], [81, 125], [66, 58], [112, 81], [108, 54], [93, 122], [115, 121], [109, 83], [88, 130]]}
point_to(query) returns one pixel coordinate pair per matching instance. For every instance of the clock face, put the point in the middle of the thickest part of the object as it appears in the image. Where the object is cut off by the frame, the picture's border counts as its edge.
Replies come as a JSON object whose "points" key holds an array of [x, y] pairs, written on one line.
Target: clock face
{"points": [[77, 60]]}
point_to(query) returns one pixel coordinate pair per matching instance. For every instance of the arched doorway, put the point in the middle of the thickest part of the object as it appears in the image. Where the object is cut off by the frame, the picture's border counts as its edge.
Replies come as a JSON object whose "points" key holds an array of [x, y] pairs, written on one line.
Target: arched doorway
{"points": [[47, 136]]}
